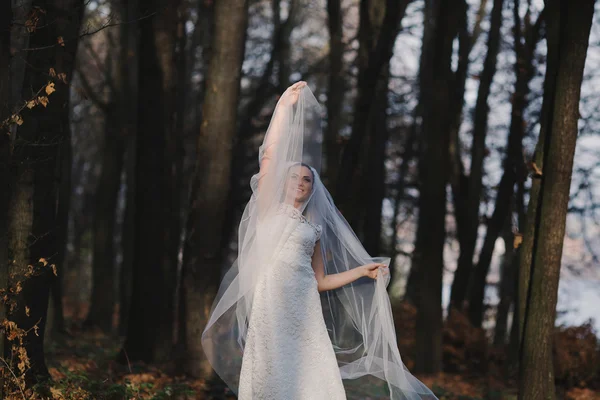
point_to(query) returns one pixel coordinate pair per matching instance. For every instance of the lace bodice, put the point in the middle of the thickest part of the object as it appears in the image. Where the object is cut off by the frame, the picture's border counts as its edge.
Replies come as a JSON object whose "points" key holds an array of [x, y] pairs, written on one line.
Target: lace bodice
{"points": [[299, 247]]}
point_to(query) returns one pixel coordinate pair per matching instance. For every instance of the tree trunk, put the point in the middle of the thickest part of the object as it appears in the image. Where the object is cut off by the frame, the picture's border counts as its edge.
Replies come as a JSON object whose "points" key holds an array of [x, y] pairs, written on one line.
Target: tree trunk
{"points": [[335, 95], [202, 252], [474, 185], [374, 59], [129, 99], [65, 161], [5, 159], [33, 219], [105, 217], [568, 29], [151, 314], [373, 191], [435, 83]]}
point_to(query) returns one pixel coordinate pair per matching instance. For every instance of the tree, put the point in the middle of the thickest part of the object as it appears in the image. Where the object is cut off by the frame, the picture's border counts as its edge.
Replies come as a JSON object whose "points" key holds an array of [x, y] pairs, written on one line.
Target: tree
{"points": [[113, 105], [335, 94], [514, 169], [469, 210], [32, 209], [5, 156], [435, 87], [203, 253], [152, 309], [372, 64], [568, 28]]}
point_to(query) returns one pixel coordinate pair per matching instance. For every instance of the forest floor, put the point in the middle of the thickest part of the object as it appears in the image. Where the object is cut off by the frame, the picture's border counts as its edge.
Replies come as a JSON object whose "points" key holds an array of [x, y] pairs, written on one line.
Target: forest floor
{"points": [[83, 366]]}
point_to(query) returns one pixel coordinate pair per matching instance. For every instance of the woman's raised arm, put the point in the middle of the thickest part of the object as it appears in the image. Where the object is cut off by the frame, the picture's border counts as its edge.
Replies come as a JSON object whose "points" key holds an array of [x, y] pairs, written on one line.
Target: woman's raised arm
{"points": [[289, 98]]}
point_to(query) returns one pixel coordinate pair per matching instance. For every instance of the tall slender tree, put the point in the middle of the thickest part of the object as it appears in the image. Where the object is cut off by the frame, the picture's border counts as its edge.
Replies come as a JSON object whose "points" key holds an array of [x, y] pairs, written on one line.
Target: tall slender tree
{"points": [[441, 22], [379, 28], [152, 309], [335, 93], [474, 185], [568, 29], [203, 255]]}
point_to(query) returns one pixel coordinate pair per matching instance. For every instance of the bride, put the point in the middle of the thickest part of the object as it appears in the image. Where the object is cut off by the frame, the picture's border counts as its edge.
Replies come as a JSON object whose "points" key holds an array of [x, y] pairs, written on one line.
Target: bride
{"points": [[304, 306]]}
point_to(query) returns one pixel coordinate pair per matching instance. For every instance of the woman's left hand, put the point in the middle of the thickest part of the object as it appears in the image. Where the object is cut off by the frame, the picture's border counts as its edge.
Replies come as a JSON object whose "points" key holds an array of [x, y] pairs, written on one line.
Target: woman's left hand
{"points": [[371, 270]]}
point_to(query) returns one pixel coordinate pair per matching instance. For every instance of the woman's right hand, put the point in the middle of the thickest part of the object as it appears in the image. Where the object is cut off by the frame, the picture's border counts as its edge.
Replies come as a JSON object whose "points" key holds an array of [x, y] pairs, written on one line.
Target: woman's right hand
{"points": [[292, 93], [371, 270]]}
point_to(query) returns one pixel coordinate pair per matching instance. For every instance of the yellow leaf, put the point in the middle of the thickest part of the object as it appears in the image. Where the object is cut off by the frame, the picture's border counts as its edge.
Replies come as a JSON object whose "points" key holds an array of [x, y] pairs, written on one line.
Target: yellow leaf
{"points": [[27, 310], [518, 239], [537, 171], [43, 101], [16, 119], [43, 261], [50, 88], [61, 41], [54, 271], [63, 77], [52, 72], [31, 104]]}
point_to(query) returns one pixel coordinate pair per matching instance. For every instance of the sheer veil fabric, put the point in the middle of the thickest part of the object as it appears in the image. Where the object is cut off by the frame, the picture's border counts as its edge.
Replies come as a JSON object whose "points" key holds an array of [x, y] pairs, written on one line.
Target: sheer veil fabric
{"points": [[358, 316]]}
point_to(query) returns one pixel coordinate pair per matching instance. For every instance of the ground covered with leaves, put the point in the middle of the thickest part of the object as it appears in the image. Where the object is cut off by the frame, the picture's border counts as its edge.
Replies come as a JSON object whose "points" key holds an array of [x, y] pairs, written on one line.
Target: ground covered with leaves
{"points": [[83, 366]]}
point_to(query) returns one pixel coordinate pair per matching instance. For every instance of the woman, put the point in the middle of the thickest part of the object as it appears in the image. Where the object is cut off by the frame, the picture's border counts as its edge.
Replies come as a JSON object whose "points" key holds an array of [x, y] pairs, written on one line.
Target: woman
{"points": [[270, 334]]}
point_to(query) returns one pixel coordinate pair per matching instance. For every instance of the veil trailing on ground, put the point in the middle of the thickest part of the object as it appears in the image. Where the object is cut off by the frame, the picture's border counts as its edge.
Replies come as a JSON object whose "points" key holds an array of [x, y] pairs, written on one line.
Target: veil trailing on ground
{"points": [[358, 316]]}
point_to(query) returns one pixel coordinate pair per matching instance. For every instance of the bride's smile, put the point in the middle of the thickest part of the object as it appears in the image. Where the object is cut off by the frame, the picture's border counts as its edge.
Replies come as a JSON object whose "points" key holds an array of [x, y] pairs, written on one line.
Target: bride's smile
{"points": [[299, 184]]}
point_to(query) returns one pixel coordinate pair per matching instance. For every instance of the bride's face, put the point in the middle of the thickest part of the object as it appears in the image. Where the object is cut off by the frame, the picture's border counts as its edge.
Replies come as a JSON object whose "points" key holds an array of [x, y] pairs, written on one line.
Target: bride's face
{"points": [[299, 183]]}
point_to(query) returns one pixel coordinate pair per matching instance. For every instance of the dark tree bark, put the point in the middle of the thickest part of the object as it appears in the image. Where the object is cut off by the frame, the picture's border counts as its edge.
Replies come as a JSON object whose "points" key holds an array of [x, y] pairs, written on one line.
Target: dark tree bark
{"points": [[32, 210], [568, 29], [131, 71], [376, 59], [5, 158], [335, 94], [469, 218], [56, 320], [373, 191], [152, 314], [435, 85], [364, 211], [203, 255]]}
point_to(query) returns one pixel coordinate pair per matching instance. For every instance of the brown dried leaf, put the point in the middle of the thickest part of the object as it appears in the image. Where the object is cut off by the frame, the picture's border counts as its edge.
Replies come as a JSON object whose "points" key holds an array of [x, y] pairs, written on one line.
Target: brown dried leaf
{"points": [[43, 100], [61, 41], [31, 104], [50, 88], [52, 72], [518, 239], [16, 119]]}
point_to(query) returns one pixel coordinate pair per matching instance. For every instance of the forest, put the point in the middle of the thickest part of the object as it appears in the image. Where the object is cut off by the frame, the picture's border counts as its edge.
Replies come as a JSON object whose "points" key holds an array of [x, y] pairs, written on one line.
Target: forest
{"points": [[461, 138]]}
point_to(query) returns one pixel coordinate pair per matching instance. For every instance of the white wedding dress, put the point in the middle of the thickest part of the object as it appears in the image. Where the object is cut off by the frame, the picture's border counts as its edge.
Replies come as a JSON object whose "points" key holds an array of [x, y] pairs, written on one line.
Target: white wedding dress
{"points": [[288, 354]]}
